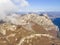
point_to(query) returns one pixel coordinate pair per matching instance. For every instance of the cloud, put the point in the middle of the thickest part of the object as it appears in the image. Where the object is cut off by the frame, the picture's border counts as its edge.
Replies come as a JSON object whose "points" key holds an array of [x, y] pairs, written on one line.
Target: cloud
{"points": [[21, 3], [10, 6], [25, 3]]}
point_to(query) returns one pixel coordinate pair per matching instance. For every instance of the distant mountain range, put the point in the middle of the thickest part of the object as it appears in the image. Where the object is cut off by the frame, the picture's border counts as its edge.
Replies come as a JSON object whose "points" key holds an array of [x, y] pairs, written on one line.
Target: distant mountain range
{"points": [[54, 14], [51, 14]]}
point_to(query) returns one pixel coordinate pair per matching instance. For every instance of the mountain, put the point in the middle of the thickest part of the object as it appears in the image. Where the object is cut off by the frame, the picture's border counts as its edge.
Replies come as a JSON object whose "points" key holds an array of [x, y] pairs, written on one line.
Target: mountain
{"points": [[54, 14], [28, 29]]}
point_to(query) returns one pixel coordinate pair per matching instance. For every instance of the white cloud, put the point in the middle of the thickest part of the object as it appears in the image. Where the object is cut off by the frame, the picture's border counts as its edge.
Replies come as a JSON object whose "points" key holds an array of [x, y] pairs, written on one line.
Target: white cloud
{"points": [[12, 5], [22, 3], [25, 3], [9, 6]]}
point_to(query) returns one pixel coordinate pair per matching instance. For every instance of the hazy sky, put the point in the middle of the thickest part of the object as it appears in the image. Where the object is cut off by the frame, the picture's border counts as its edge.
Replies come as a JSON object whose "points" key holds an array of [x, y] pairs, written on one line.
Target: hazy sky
{"points": [[29, 5], [11, 6], [44, 5]]}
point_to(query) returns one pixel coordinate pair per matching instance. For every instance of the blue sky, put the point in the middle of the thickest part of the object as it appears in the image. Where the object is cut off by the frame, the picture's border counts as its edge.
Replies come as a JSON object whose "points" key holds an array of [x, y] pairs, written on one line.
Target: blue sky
{"points": [[44, 5], [29, 5]]}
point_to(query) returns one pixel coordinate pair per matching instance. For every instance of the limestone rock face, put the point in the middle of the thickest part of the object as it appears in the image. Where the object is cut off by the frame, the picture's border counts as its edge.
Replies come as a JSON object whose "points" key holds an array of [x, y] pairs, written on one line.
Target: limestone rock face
{"points": [[36, 30]]}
